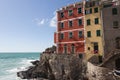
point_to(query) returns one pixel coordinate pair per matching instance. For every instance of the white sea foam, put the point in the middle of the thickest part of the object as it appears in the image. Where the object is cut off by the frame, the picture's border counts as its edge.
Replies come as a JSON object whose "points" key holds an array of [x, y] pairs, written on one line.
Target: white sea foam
{"points": [[10, 66], [25, 63], [14, 70]]}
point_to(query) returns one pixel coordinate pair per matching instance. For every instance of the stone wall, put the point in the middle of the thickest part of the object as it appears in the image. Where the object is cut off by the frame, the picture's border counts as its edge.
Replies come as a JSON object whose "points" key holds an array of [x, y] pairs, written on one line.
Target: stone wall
{"points": [[99, 73]]}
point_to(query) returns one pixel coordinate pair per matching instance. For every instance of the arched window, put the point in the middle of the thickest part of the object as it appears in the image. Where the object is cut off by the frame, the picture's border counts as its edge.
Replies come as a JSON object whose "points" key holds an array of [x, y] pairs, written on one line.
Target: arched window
{"points": [[114, 11], [118, 42]]}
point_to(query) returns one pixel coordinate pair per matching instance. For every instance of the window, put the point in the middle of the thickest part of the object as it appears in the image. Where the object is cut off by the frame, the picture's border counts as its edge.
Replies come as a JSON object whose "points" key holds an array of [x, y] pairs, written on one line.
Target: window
{"points": [[98, 33], [70, 23], [88, 22], [79, 22], [61, 36], [79, 10], [90, 10], [96, 10], [88, 33], [61, 25], [80, 34], [114, 11], [61, 14], [115, 24], [70, 12], [70, 34], [96, 20], [88, 48]]}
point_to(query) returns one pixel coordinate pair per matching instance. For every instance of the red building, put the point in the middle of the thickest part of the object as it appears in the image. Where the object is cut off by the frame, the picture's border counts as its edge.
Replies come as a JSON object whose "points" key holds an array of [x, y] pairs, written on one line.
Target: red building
{"points": [[69, 36]]}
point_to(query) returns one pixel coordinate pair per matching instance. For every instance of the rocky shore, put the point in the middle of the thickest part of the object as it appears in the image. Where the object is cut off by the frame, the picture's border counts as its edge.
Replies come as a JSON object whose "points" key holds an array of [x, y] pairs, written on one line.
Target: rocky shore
{"points": [[56, 67], [52, 66]]}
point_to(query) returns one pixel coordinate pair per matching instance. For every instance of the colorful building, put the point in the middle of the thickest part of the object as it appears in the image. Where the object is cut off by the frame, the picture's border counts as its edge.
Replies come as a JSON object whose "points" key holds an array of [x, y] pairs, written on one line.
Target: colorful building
{"points": [[90, 27], [69, 37], [93, 29]]}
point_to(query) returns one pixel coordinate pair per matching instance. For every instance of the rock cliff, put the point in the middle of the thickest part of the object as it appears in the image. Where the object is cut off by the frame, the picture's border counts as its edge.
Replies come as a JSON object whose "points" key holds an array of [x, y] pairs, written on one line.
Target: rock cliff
{"points": [[56, 67]]}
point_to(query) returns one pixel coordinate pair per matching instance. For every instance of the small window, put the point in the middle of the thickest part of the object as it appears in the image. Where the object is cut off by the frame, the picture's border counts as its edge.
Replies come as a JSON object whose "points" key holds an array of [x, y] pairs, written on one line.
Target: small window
{"points": [[88, 33], [96, 20], [61, 14], [79, 10], [88, 48], [80, 56], [87, 11], [88, 22], [70, 35], [79, 22], [61, 25], [115, 24], [114, 11], [98, 33], [96, 10], [61, 36], [80, 34], [70, 12], [70, 23]]}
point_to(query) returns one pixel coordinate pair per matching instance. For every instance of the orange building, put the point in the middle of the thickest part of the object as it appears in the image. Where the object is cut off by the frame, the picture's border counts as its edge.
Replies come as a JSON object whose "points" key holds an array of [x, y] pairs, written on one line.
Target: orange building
{"points": [[69, 36]]}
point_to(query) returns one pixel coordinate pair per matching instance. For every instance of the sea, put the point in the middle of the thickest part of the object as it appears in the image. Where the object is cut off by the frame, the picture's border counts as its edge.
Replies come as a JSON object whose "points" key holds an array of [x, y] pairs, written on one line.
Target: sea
{"points": [[11, 63]]}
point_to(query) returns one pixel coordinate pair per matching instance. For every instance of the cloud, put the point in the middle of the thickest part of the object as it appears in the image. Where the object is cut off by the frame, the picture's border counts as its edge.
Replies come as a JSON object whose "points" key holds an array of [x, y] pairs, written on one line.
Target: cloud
{"points": [[53, 21], [40, 21]]}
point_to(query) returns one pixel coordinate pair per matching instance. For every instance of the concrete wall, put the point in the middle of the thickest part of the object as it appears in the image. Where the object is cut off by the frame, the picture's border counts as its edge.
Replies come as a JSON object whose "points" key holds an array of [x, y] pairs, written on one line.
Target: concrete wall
{"points": [[110, 33]]}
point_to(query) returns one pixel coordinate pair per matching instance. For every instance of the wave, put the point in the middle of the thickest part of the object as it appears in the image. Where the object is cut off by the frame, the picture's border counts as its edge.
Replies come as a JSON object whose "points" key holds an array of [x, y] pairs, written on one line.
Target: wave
{"points": [[25, 63], [11, 64]]}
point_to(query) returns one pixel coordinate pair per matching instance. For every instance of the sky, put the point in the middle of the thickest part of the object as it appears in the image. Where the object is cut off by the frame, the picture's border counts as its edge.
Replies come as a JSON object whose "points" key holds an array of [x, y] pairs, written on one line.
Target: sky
{"points": [[28, 25]]}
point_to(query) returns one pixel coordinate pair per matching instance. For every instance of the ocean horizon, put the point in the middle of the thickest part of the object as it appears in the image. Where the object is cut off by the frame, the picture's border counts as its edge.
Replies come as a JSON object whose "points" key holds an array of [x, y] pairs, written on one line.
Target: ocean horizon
{"points": [[12, 62]]}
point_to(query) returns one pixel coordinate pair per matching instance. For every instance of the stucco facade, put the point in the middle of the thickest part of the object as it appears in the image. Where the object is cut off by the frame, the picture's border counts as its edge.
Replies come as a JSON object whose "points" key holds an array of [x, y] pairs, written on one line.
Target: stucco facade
{"points": [[69, 36], [94, 43], [111, 27]]}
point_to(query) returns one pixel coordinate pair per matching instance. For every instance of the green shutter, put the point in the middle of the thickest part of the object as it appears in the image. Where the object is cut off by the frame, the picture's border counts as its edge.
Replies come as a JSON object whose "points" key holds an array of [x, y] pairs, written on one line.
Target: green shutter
{"points": [[88, 22], [96, 20], [98, 32], [89, 34]]}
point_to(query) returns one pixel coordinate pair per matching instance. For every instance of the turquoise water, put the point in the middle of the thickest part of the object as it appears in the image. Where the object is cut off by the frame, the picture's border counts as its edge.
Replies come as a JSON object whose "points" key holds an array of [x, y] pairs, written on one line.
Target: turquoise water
{"points": [[11, 63]]}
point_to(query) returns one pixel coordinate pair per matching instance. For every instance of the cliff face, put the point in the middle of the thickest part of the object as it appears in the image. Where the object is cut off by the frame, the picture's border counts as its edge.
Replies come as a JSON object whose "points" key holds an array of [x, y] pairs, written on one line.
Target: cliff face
{"points": [[71, 67], [56, 67]]}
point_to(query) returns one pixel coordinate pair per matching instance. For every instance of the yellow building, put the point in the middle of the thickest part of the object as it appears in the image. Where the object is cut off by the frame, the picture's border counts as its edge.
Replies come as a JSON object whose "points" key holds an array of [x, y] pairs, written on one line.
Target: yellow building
{"points": [[93, 30]]}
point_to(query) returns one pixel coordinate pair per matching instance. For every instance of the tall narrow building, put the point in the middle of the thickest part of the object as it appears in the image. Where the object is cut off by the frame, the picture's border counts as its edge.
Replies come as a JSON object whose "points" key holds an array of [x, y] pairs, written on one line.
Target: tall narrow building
{"points": [[93, 30], [69, 36]]}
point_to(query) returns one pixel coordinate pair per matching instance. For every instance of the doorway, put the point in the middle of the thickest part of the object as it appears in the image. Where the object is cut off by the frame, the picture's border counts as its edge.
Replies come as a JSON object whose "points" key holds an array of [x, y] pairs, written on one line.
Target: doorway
{"points": [[117, 64], [96, 48], [72, 48], [65, 49], [118, 42]]}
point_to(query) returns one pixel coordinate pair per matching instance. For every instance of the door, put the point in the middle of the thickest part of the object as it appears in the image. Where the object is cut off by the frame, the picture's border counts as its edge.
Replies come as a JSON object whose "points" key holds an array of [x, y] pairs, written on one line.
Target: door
{"points": [[96, 47], [65, 49], [117, 64], [73, 48]]}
